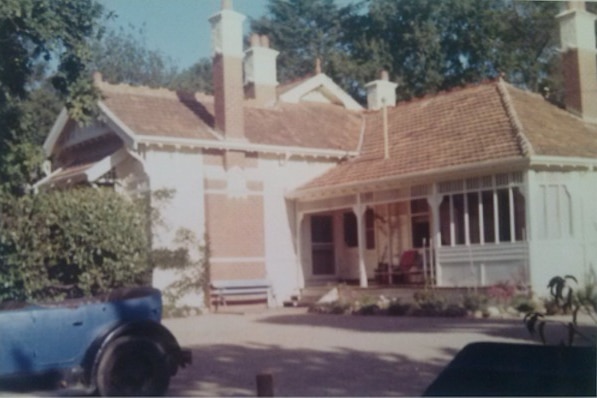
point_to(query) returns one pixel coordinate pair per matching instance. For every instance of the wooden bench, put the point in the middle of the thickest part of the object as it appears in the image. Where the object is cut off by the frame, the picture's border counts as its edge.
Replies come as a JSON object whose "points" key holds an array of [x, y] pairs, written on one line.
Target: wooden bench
{"points": [[239, 291]]}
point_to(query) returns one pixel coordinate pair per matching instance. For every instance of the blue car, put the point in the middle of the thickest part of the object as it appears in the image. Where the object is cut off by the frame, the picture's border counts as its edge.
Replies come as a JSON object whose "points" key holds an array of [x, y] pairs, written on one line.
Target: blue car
{"points": [[113, 345]]}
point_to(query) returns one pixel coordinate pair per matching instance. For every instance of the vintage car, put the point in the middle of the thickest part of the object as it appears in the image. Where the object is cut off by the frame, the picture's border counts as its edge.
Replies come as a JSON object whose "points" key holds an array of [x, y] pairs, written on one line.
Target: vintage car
{"points": [[113, 344]]}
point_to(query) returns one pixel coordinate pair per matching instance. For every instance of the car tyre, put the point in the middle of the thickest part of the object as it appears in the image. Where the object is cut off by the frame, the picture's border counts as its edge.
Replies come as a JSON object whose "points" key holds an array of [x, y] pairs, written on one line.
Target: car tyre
{"points": [[132, 366]]}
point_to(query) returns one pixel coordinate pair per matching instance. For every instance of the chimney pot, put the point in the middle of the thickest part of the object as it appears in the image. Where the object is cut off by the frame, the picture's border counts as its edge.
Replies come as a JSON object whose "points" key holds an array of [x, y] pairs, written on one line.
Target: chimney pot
{"points": [[576, 5], [255, 40], [317, 66], [265, 41]]}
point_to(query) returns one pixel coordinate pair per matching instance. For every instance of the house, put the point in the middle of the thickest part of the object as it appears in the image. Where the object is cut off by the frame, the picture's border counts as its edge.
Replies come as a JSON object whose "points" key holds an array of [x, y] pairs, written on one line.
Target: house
{"points": [[299, 185]]}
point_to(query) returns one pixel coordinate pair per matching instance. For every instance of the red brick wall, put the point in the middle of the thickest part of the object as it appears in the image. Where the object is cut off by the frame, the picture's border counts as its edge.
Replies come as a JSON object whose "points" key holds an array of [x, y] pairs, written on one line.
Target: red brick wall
{"points": [[570, 69], [228, 95], [235, 228]]}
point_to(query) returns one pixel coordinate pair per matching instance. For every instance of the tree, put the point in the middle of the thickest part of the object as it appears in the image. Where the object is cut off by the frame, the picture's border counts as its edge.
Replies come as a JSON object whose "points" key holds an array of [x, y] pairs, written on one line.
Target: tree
{"points": [[430, 46], [304, 30], [198, 77], [32, 33], [426, 45], [122, 57], [70, 243]]}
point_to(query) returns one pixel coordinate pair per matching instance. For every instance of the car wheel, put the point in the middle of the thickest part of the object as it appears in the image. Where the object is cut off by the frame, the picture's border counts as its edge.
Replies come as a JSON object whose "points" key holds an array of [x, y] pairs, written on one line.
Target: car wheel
{"points": [[132, 366]]}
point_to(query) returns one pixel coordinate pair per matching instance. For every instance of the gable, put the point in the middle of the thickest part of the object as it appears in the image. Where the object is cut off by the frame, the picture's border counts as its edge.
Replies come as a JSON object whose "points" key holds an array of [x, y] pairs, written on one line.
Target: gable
{"points": [[319, 88]]}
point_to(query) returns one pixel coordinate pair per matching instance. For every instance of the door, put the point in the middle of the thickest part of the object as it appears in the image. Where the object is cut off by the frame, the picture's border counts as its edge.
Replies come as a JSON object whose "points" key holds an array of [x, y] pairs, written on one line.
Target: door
{"points": [[322, 246]]}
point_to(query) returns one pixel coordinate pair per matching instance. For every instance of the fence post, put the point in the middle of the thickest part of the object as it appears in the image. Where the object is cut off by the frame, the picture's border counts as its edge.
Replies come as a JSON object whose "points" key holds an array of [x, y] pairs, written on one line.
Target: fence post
{"points": [[265, 385]]}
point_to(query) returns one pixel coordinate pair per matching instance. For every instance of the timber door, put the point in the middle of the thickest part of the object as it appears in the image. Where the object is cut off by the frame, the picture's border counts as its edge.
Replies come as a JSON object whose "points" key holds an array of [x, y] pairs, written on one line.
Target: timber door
{"points": [[322, 246]]}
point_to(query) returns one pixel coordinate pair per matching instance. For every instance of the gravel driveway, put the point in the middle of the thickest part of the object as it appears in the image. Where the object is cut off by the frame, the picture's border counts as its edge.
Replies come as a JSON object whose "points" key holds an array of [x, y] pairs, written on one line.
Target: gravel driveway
{"points": [[324, 355]]}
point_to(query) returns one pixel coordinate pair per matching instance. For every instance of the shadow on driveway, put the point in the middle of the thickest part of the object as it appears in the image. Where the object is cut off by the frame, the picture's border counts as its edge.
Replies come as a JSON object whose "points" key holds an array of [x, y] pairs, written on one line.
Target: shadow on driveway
{"points": [[229, 370], [502, 328]]}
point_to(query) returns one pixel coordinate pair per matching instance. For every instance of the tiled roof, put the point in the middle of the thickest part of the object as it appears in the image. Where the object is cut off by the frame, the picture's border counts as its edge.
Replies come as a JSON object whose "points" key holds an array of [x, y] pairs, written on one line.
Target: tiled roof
{"points": [[160, 112], [482, 123], [553, 131]]}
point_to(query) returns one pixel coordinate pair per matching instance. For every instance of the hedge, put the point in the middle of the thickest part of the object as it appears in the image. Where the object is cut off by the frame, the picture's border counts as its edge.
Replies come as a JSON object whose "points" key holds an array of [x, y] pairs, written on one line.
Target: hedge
{"points": [[70, 244]]}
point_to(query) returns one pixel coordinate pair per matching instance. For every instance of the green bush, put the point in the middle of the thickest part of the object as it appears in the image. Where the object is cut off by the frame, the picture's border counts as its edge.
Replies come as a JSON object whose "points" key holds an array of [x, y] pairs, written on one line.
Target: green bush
{"points": [[397, 308], [475, 301], [70, 244], [336, 308]]}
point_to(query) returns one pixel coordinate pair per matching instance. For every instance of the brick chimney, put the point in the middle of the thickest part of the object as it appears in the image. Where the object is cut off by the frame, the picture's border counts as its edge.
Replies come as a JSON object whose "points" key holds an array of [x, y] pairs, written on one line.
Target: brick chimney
{"points": [[579, 62], [381, 91], [260, 70], [227, 45]]}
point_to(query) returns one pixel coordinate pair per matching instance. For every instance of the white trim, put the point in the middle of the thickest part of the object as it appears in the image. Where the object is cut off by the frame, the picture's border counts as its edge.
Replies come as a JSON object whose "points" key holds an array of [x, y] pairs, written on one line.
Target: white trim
{"points": [[245, 146], [478, 168], [119, 127], [295, 94], [563, 161], [106, 164], [55, 131], [236, 259], [47, 178]]}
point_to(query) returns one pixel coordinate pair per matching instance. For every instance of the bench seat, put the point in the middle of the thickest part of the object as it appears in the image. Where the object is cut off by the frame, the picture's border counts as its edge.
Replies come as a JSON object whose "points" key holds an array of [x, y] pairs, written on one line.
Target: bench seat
{"points": [[224, 292]]}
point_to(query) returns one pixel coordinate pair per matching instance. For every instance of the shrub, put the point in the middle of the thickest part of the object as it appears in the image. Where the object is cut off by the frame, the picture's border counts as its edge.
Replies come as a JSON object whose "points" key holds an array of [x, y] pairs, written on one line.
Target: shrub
{"points": [[70, 244], [397, 308], [428, 303], [336, 307], [568, 298], [475, 301], [369, 309]]}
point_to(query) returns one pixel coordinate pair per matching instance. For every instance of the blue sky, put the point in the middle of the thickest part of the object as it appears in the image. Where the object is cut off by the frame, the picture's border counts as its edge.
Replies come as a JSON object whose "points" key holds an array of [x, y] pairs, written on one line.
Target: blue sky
{"points": [[177, 28]]}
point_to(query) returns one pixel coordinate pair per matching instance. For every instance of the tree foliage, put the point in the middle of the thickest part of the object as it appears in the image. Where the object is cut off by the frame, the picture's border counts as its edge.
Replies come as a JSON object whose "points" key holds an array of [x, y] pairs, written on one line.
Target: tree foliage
{"points": [[426, 45], [33, 33], [304, 30], [69, 244]]}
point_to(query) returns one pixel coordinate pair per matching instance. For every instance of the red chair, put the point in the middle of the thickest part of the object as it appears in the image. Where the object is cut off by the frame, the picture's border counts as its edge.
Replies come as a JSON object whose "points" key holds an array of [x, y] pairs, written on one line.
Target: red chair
{"points": [[410, 264]]}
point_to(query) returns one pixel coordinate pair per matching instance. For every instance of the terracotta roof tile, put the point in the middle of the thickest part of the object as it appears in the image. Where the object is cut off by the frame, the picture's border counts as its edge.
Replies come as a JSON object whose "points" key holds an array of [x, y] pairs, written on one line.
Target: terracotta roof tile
{"points": [[553, 131], [465, 126], [166, 113]]}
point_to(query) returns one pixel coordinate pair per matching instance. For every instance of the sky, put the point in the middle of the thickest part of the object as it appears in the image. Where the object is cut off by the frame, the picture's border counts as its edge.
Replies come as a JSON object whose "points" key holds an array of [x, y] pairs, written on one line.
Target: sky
{"points": [[177, 28]]}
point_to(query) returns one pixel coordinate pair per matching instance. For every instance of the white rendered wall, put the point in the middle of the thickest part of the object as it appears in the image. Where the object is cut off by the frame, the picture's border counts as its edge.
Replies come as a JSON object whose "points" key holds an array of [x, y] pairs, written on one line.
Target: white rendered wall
{"points": [[281, 176], [180, 172], [571, 250]]}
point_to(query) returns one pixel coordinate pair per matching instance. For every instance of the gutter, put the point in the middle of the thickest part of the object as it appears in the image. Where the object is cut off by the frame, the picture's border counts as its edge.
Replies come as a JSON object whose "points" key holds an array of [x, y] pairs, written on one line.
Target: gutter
{"points": [[513, 162], [242, 145]]}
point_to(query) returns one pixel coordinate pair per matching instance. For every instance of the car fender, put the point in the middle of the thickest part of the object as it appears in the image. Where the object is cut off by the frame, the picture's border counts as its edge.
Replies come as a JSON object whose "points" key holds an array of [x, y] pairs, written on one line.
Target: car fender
{"points": [[145, 329]]}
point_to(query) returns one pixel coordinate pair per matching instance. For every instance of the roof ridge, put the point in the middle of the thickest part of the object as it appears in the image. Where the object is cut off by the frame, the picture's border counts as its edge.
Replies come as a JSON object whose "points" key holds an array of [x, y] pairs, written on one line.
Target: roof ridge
{"points": [[523, 141], [447, 91], [159, 92]]}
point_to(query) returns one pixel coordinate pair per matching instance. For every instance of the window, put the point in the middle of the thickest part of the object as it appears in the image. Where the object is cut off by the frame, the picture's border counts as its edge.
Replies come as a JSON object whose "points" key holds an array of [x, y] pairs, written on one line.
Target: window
{"points": [[483, 216], [370, 228], [351, 237], [322, 245], [350, 229], [419, 211], [472, 199]]}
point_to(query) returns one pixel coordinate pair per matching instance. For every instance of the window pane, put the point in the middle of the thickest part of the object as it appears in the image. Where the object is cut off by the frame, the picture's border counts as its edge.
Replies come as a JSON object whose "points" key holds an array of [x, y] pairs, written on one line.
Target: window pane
{"points": [[458, 203], [488, 218], [350, 229], [420, 230], [473, 217], [370, 228], [519, 215], [321, 229], [504, 214], [444, 220], [419, 206]]}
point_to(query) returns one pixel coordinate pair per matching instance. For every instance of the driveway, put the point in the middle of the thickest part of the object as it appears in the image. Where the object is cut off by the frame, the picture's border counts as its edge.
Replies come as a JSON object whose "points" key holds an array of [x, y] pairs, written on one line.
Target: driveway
{"points": [[324, 355]]}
